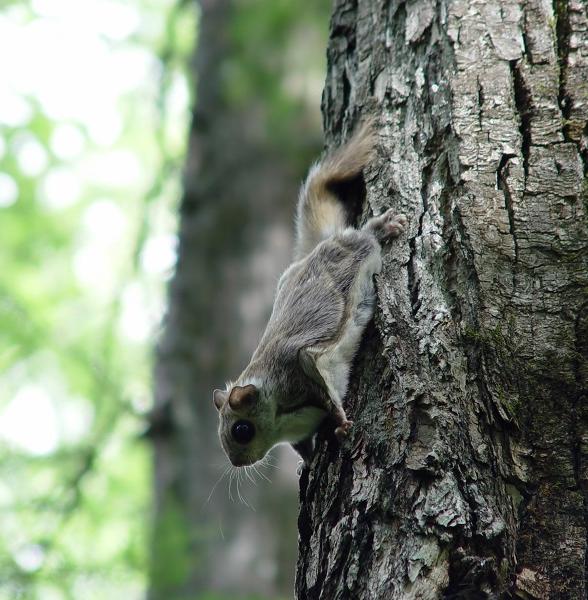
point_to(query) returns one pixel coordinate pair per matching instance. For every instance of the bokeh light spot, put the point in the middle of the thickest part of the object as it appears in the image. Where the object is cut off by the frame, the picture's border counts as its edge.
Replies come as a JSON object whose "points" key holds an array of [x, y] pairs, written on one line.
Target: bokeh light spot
{"points": [[8, 190]]}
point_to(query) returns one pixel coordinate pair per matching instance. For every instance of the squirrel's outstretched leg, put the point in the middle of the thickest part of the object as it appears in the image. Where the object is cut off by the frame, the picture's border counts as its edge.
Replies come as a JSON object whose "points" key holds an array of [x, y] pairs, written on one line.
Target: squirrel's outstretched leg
{"points": [[334, 405], [321, 373]]}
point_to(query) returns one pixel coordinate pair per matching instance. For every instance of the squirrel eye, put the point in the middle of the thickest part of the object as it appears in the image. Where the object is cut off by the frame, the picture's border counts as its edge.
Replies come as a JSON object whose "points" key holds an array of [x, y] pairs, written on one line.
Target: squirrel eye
{"points": [[243, 432]]}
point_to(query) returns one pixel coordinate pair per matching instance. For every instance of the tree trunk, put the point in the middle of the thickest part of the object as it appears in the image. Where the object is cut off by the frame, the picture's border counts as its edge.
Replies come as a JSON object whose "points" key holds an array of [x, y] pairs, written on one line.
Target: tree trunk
{"points": [[235, 237], [466, 473]]}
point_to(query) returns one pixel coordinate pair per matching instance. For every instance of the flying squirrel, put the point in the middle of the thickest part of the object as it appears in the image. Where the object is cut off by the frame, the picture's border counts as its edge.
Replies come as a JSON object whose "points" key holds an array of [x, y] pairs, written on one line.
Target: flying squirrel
{"points": [[299, 373]]}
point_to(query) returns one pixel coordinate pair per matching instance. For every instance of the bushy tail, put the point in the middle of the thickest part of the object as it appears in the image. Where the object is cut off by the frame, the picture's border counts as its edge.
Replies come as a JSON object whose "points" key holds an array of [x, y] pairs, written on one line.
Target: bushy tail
{"points": [[320, 212]]}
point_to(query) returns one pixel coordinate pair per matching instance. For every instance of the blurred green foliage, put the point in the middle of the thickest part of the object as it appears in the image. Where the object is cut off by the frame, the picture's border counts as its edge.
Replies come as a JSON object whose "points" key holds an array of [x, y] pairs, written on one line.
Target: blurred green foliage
{"points": [[279, 58], [87, 223], [95, 109]]}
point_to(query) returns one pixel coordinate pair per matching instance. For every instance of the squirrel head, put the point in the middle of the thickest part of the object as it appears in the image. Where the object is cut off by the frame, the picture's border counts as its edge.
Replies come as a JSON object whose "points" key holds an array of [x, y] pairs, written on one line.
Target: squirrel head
{"points": [[245, 423]]}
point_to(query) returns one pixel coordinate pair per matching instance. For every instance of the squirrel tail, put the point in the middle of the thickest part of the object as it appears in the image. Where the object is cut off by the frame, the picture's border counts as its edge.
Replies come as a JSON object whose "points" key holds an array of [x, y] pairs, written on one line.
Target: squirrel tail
{"points": [[320, 212]]}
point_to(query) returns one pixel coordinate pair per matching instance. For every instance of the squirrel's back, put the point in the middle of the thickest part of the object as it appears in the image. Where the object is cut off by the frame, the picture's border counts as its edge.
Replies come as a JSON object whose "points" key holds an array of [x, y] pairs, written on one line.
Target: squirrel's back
{"points": [[320, 212]]}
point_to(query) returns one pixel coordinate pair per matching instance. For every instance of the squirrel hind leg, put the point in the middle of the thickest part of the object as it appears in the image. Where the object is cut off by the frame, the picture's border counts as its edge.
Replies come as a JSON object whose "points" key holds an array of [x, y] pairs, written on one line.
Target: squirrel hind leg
{"points": [[387, 226]]}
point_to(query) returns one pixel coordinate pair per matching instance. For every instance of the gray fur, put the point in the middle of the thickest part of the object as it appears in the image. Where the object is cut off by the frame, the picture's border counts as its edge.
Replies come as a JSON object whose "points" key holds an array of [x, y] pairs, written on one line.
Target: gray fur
{"points": [[323, 304]]}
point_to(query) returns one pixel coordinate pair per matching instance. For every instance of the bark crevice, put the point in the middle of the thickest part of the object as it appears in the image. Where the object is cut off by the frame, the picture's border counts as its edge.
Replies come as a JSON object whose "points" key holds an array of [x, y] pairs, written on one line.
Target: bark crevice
{"points": [[524, 106], [502, 183]]}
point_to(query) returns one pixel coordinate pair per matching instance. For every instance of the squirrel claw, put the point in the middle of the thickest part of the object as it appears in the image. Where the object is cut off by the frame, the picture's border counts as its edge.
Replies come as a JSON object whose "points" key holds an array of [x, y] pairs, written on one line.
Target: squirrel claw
{"points": [[342, 432]]}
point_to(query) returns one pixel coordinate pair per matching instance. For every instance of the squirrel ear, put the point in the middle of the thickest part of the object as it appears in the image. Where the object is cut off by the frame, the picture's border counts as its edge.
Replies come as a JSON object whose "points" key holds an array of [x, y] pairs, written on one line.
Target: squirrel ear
{"points": [[242, 397], [219, 397]]}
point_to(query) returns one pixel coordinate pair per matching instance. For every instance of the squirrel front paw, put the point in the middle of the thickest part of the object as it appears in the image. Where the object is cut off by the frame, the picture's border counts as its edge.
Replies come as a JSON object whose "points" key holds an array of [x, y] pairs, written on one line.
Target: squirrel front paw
{"points": [[342, 431]]}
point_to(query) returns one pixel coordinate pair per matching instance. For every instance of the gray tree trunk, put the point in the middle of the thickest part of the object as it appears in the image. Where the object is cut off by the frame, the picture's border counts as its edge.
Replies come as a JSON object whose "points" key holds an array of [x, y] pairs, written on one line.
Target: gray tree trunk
{"points": [[235, 237], [466, 473]]}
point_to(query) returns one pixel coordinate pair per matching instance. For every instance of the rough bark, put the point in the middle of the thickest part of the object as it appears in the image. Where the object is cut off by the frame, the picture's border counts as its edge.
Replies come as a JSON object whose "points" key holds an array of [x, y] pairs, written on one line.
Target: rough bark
{"points": [[466, 474]]}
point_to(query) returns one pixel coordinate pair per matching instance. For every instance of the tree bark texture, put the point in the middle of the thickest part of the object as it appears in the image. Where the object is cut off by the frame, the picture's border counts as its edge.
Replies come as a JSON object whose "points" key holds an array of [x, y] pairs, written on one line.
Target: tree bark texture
{"points": [[466, 472]]}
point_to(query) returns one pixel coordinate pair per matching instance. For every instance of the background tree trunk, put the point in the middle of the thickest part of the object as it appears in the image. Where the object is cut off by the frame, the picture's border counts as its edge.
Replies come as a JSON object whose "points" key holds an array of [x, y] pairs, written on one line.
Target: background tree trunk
{"points": [[234, 240], [466, 474]]}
